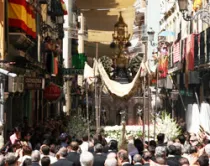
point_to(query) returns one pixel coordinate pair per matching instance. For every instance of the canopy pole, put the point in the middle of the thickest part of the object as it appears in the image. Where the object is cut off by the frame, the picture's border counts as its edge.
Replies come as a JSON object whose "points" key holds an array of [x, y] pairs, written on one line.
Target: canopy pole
{"points": [[87, 109], [144, 109], [156, 107], [149, 107], [97, 116]]}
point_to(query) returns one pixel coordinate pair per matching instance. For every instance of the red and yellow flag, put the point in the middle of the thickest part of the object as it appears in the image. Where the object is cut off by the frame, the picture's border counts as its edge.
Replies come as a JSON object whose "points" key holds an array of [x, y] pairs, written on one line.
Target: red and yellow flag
{"points": [[21, 15], [64, 7]]}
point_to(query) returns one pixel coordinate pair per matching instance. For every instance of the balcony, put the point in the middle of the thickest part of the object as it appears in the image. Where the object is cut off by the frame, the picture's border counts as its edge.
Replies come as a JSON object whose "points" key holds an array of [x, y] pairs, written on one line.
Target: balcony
{"points": [[20, 41]]}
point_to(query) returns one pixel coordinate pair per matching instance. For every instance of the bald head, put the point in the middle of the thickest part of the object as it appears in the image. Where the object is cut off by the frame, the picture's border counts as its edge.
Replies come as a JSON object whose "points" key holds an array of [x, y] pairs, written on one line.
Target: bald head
{"points": [[123, 155], [110, 162], [35, 156], [111, 155], [160, 160], [137, 158], [62, 152], [74, 146]]}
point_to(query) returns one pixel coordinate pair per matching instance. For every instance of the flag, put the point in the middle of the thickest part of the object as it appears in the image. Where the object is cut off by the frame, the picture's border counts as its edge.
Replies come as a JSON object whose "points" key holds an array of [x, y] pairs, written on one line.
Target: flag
{"points": [[65, 12], [190, 52], [177, 55], [55, 71], [163, 62], [21, 15], [197, 4]]}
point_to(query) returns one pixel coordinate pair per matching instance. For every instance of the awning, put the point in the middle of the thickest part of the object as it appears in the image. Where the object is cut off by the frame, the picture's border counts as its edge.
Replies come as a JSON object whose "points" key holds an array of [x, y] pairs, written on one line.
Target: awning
{"points": [[100, 16], [104, 4], [100, 23], [167, 33]]}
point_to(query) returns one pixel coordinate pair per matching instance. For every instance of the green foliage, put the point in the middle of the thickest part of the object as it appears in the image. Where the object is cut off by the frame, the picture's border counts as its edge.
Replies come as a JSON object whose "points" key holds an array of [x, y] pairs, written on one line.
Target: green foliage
{"points": [[107, 63], [135, 63], [77, 126]]}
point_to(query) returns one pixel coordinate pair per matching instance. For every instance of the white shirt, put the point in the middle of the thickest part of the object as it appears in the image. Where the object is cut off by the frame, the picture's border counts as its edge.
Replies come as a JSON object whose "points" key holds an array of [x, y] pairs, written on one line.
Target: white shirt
{"points": [[84, 146], [22, 159], [52, 159]]}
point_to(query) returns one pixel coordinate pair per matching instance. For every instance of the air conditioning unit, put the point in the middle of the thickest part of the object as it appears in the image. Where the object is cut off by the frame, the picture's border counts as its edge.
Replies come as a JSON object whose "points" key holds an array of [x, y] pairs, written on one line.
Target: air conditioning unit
{"points": [[20, 85], [12, 84]]}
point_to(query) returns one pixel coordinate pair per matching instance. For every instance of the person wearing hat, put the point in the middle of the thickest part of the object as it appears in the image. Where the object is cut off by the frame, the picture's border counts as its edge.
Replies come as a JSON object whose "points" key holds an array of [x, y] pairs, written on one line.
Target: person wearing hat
{"points": [[64, 140], [61, 155]]}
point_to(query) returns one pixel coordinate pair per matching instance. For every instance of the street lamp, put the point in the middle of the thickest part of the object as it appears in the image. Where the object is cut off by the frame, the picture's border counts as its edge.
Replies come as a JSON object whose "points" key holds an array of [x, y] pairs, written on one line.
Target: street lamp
{"points": [[183, 5], [183, 8], [187, 15], [151, 36]]}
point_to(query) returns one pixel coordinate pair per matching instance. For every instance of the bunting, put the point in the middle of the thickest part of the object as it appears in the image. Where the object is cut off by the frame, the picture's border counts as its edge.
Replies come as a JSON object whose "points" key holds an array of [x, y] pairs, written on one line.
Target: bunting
{"points": [[21, 15]]}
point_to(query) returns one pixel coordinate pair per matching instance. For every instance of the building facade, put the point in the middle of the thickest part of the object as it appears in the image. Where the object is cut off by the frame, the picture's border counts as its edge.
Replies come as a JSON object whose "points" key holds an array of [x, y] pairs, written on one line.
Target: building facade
{"points": [[31, 48]]}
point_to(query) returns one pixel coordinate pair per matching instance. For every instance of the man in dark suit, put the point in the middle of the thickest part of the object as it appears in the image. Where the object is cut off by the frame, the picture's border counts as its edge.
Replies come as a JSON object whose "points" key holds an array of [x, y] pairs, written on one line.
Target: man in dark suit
{"points": [[62, 153], [73, 155], [137, 160], [122, 158], [99, 157], [174, 155]]}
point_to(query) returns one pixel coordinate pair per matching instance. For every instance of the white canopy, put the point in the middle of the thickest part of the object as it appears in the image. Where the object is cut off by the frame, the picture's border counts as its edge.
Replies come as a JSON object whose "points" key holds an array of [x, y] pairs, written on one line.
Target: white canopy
{"points": [[114, 87]]}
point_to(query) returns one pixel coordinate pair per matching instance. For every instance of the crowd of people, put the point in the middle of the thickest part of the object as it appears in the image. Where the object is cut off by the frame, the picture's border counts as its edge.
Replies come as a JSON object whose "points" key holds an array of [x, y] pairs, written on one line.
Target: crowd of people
{"points": [[49, 144]]}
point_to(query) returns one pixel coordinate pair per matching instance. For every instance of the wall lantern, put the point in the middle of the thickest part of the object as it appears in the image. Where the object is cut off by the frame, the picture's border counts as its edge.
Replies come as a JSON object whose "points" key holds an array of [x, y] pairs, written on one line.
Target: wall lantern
{"points": [[187, 14]]}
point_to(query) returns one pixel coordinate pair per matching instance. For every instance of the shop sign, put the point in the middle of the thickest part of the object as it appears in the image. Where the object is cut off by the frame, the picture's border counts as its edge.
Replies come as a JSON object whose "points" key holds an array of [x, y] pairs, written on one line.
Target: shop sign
{"points": [[186, 93], [32, 83], [52, 92], [72, 71]]}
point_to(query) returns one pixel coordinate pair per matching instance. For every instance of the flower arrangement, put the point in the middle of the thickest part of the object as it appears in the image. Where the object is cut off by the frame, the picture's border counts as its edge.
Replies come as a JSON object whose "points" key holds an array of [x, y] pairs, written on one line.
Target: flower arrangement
{"points": [[114, 132], [167, 125], [164, 124]]}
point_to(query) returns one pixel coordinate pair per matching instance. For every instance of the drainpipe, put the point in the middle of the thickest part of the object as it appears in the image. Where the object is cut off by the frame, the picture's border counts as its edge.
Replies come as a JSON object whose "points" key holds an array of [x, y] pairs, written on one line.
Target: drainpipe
{"points": [[2, 77], [67, 53], [38, 35], [2, 110]]}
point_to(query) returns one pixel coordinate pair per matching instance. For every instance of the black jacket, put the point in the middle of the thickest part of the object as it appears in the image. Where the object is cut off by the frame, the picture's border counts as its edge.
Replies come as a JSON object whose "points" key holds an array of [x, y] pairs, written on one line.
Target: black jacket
{"points": [[63, 162], [99, 159], [74, 157]]}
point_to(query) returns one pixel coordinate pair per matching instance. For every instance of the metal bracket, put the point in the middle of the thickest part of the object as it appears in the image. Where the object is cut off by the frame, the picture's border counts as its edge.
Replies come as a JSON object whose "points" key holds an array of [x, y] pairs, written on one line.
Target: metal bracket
{"points": [[203, 13]]}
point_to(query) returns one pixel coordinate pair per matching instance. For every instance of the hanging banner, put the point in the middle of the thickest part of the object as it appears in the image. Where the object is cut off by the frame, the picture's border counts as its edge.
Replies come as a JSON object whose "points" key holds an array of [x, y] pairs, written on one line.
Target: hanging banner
{"points": [[163, 62]]}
